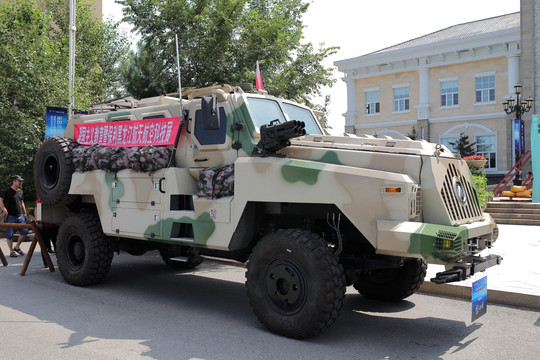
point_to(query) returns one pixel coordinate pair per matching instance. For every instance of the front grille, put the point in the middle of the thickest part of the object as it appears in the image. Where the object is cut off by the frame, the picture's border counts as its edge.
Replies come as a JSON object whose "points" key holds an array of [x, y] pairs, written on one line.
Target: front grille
{"points": [[470, 209]]}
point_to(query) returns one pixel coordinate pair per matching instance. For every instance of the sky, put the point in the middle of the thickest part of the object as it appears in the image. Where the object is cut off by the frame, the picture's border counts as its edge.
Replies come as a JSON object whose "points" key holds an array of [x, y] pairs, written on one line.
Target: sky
{"points": [[360, 27]]}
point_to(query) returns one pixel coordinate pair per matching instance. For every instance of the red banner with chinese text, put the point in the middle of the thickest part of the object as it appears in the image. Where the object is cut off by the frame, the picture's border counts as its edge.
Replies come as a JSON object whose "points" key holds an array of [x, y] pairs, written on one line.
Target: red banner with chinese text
{"points": [[157, 132]]}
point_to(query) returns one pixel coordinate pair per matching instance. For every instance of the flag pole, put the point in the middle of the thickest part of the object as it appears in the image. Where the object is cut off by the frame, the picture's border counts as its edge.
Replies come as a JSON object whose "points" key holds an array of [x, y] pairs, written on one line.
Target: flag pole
{"points": [[71, 66]]}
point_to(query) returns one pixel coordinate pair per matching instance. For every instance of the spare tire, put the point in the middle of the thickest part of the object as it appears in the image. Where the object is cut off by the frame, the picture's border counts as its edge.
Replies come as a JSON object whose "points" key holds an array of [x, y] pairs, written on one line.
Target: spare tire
{"points": [[53, 167]]}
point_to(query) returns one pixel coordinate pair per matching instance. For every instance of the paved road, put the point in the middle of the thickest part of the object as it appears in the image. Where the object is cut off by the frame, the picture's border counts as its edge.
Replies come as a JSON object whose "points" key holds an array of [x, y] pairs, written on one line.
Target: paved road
{"points": [[146, 310]]}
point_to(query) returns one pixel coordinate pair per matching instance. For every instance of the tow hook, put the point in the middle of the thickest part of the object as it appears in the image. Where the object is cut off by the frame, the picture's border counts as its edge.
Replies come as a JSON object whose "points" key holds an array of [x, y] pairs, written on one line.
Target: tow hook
{"points": [[463, 271]]}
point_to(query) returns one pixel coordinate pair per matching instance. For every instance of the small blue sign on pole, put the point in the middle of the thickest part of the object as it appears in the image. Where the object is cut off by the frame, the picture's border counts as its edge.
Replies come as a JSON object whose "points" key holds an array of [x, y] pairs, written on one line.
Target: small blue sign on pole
{"points": [[479, 298], [56, 121]]}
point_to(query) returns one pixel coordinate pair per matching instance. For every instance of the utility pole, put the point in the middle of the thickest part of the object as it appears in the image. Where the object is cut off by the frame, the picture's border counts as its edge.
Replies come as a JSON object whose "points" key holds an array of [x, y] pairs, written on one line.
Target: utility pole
{"points": [[72, 31]]}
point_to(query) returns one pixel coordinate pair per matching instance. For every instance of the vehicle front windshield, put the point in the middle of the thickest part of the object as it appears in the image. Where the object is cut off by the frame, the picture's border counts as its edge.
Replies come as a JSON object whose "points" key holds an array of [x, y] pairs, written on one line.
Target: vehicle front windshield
{"points": [[298, 113], [265, 111]]}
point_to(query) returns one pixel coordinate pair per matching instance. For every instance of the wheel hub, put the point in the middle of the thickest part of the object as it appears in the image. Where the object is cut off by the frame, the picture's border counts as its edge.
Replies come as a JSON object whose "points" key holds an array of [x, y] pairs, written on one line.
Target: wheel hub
{"points": [[76, 252], [285, 286], [50, 172]]}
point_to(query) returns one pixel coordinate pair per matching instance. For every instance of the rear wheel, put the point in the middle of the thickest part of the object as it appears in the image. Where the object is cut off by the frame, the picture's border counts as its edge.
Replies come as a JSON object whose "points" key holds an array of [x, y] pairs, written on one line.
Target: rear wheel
{"points": [[295, 283], [83, 252], [53, 168], [392, 284]]}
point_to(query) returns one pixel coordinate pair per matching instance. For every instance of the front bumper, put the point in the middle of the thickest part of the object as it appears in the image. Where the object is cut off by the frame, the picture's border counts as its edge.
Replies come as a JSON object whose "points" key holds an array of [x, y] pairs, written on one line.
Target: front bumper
{"points": [[437, 244]]}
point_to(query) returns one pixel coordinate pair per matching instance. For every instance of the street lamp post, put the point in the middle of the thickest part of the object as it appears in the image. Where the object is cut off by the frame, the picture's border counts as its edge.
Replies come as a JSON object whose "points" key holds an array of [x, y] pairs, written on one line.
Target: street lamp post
{"points": [[519, 107]]}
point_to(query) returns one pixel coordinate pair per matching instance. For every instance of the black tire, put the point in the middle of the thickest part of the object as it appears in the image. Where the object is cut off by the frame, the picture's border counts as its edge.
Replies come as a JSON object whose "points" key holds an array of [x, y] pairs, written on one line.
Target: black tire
{"points": [[53, 168], [295, 283], [83, 252], [393, 284], [190, 255]]}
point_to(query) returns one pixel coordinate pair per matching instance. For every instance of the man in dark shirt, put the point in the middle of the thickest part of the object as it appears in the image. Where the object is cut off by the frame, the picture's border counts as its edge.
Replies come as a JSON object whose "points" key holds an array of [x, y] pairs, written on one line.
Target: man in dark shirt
{"points": [[14, 211]]}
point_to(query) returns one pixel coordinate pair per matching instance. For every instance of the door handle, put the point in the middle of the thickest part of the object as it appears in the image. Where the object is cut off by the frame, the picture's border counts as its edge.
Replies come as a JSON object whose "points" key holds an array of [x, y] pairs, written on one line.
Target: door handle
{"points": [[161, 185]]}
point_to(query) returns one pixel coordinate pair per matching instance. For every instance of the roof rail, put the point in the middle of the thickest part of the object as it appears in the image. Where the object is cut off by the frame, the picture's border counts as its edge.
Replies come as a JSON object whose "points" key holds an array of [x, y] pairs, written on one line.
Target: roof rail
{"points": [[193, 93]]}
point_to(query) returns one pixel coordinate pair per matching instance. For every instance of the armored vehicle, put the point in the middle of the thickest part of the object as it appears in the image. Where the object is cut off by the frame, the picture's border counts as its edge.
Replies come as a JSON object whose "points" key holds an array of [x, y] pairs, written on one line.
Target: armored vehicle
{"points": [[250, 177]]}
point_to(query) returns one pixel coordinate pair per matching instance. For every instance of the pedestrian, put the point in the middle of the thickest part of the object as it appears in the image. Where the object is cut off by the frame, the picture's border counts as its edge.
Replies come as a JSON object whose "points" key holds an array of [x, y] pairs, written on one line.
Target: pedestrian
{"points": [[14, 211]]}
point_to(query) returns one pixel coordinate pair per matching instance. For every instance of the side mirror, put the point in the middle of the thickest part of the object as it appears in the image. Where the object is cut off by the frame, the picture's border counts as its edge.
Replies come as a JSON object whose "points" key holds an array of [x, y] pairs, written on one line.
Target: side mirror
{"points": [[210, 117]]}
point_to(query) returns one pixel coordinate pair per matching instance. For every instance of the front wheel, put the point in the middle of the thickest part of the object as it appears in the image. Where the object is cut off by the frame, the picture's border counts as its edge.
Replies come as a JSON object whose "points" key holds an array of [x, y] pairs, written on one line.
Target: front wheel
{"points": [[392, 284], [295, 283], [83, 252]]}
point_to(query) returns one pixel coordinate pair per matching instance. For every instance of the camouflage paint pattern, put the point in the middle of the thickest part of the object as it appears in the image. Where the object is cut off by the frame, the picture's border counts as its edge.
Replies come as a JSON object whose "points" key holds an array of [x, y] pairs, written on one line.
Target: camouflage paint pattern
{"points": [[352, 172]]}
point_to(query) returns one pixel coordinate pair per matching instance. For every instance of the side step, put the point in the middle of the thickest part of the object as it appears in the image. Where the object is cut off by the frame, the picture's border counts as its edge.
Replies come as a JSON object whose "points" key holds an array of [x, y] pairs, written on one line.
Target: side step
{"points": [[463, 271], [180, 259]]}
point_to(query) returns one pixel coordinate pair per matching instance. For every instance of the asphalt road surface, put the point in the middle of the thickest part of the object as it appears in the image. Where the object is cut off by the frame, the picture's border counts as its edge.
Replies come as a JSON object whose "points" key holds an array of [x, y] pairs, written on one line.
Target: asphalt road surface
{"points": [[145, 310]]}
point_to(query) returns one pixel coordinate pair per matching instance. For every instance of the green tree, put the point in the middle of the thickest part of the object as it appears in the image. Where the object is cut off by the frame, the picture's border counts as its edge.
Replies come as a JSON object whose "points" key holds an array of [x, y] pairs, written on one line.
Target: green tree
{"points": [[322, 112], [34, 73], [144, 75], [413, 135], [221, 40], [463, 146]]}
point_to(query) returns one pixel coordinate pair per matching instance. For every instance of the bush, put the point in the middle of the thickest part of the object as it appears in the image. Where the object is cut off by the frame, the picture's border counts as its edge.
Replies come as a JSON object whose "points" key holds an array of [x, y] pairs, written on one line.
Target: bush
{"points": [[480, 180]]}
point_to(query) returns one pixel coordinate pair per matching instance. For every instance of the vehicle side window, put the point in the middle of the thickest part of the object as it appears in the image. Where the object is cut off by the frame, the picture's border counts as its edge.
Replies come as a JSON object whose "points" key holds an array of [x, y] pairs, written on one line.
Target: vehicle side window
{"points": [[159, 116], [211, 137]]}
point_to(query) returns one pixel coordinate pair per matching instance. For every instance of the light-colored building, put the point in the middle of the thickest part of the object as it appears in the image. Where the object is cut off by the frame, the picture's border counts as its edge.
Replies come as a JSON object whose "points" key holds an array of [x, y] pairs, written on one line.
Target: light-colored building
{"points": [[450, 82]]}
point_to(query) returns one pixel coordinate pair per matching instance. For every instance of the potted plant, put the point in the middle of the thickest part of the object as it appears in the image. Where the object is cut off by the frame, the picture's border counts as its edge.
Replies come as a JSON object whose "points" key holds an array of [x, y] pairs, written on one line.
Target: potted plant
{"points": [[475, 161]]}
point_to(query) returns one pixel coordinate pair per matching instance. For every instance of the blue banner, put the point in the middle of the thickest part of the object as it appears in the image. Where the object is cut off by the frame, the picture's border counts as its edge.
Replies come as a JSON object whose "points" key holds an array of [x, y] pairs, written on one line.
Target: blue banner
{"points": [[522, 137], [479, 298], [517, 148], [56, 121]]}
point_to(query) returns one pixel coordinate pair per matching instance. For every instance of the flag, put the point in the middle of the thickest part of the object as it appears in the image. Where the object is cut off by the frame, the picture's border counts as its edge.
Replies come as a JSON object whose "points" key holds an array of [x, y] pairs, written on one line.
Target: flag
{"points": [[258, 81]]}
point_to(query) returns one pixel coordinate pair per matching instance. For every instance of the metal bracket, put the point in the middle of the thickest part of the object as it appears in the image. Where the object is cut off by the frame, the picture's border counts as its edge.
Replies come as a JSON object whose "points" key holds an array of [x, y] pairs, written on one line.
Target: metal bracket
{"points": [[463, 271]]}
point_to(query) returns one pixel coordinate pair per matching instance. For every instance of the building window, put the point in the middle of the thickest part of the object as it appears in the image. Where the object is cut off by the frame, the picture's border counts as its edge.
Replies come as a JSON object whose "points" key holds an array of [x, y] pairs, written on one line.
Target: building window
{"points": [[486, 145], [373, 105], [485, 89], [447, 140], [401, 99], [449, 93]]}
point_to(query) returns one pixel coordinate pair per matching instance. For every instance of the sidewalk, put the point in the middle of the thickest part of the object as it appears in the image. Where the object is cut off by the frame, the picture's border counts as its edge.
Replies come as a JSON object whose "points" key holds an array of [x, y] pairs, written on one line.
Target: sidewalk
{"points": [[516, 281]]}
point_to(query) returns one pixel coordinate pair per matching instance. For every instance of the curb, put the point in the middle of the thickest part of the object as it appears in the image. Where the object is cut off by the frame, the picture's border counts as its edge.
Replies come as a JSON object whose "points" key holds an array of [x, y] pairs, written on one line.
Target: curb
{"points": [[494, 296]]}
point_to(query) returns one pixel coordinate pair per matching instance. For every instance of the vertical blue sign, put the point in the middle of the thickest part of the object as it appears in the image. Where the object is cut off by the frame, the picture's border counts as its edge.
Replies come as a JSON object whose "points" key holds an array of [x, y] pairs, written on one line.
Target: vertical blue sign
{"points": [[516, 139], [56, 121], [479, 298], [535, 156], [522, 137]]}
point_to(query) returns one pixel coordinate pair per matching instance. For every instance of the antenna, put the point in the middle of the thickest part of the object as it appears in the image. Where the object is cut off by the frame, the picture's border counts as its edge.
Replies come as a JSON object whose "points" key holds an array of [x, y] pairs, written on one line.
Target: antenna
{"points": [[178, 70], [172, 160]]}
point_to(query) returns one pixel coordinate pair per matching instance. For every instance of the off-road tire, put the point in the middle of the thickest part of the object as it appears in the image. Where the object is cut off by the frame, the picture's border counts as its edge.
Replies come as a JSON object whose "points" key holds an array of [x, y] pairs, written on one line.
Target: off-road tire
{"points": [[295, 283], [392, 284], [83, 252], [53, 167], [192, 255]]}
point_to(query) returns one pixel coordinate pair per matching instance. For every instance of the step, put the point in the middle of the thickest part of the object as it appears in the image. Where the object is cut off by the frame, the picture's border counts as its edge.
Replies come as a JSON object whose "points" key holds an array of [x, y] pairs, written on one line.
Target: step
{"points": [[520, 212], [513, 209], [515, 216], [518, 222], [514, 204]]}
